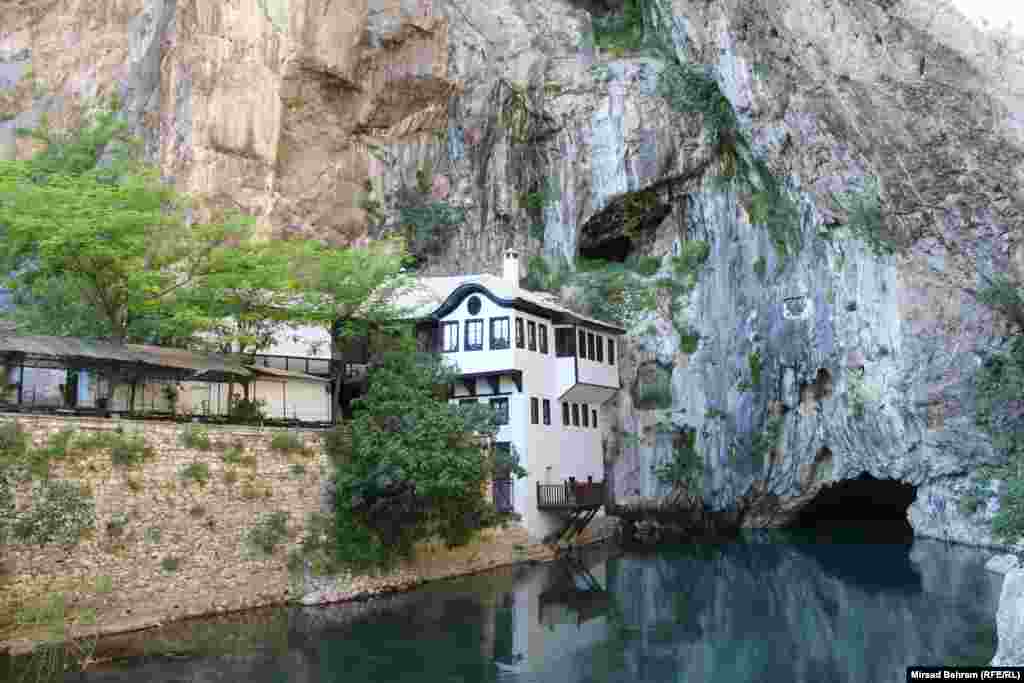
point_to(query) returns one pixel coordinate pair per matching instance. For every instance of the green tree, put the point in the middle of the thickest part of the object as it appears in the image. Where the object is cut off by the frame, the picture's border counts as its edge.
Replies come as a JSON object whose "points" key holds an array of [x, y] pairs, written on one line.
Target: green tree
{"points": [[416, 466], [348, 292], [113, 245]]}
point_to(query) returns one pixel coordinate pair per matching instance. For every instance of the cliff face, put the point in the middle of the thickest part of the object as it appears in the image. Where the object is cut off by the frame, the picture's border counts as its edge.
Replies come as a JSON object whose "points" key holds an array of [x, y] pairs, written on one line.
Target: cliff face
{"points": [[325, 118]]}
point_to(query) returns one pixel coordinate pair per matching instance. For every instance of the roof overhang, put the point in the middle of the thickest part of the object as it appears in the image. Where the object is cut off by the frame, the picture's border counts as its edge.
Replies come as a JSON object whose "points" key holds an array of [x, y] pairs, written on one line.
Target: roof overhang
{"points": [[556, 317], [588, 393]]}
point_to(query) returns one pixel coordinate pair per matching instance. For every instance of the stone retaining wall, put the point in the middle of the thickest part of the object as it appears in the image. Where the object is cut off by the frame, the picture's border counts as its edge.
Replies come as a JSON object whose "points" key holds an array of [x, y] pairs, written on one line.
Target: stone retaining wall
{"points": [[118, 573], [149, 518]]}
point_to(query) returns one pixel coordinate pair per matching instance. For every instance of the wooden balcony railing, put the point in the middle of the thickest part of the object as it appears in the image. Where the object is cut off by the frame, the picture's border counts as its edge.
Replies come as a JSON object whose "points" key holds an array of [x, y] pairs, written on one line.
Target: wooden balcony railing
{"points": [[570, 495]]}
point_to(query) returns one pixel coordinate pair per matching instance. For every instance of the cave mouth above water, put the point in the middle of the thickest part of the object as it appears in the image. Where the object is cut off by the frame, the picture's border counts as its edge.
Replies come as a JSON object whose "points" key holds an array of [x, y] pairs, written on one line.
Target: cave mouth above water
{"points": [[877, 507]]}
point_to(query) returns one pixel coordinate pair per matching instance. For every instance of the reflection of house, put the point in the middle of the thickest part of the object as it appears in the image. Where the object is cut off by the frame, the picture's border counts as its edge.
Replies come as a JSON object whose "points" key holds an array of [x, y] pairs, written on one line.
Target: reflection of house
{"points": [[66, 373], [544, 369]]}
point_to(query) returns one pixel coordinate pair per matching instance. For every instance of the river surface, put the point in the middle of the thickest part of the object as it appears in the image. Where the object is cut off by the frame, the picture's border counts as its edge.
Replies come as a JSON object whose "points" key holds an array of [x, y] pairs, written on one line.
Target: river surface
{"points": [[772, 608]]}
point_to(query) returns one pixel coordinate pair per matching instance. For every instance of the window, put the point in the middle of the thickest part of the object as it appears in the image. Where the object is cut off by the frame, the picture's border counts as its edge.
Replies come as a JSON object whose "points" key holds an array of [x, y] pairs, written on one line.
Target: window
{"points": [[547, 412], [565, 414], [586, 415], [534, 411], [575, 414], [600, 349], [499, 333], [591, 352], [473, 306], [564, 345], [583, 344], [543, 338], [531, 335], [611, 352], [451, 337], [519, 333], [593, 419], [500, 406], [474, 335]]}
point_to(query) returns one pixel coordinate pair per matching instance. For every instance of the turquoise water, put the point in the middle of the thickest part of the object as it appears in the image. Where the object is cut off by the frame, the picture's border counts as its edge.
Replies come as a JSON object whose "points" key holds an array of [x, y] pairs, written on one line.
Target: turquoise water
{"points": [[773, 608]]}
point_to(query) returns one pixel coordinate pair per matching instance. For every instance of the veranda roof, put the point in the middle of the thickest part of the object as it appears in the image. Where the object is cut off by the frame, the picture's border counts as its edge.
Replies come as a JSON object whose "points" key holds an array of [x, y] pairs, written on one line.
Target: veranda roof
{"points": [[150, 360]]}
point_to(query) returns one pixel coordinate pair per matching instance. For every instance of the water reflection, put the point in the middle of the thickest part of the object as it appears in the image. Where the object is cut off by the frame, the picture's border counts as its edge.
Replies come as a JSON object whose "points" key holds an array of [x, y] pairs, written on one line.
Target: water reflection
{"points": [[753, 611]]}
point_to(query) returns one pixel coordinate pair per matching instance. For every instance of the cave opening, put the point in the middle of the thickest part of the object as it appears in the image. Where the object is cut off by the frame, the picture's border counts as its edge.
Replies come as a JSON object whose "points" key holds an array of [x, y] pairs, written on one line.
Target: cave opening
{"points": [[843, 519], [625, 226], [616, 249], [875, 507]]}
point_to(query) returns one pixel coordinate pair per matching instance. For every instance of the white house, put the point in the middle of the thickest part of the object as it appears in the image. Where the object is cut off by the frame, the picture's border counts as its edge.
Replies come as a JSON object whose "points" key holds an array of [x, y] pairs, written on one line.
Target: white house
{"points": [[546, 370]]}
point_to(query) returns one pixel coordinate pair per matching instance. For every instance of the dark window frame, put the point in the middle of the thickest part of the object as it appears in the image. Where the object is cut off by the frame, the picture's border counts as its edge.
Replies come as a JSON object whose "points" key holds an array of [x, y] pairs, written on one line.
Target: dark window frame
{"points": [[565, 414], [581, 348], [531, 335], [547, 412], [599, 347], [611, 351], [566, 348], [575, 414], [542, 330], [503, 413], [474, 321], [444, 336], [520, 337], [498, 344], [591, 343], [593, 418], [534, 410], [585, 414]]}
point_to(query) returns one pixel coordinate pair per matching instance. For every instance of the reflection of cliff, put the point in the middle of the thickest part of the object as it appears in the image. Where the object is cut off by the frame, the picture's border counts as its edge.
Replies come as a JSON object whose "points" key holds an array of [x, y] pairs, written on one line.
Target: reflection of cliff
{"points": [[803, 614]]}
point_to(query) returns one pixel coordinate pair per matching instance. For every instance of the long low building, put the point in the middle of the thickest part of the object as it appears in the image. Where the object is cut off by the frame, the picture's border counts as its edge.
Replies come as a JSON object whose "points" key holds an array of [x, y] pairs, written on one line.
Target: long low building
{"points": [[65, 373]]}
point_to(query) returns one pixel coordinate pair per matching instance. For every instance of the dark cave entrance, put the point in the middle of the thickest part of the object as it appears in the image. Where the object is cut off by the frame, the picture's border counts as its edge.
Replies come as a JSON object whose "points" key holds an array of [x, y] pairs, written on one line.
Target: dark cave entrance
{"points": [[615, 249], [625, 226], [877, 507], [857, 530]]}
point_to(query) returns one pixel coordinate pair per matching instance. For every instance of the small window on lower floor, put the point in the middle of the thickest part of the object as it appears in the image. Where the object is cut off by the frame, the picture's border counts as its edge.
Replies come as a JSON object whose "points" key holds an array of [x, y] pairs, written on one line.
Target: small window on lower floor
{"points": [[534, 411], [547, 412], [565, 414], [575, 414], [586, 415], [593, 419]]}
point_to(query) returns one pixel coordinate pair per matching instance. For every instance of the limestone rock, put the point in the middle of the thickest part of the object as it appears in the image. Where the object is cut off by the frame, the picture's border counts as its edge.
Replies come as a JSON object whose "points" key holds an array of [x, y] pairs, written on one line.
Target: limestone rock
{"points": [[1003, 564], [1010, 621]]}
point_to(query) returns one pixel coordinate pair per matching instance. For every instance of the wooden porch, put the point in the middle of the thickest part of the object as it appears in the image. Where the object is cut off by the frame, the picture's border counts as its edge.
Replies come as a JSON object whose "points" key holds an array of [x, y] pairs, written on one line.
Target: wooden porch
{"points": [[570, 495], [580, 500]]}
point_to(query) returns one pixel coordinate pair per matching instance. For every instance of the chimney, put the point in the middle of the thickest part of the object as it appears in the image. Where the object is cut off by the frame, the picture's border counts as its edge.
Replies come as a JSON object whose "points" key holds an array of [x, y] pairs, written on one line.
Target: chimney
{"points": [[511, 273]]}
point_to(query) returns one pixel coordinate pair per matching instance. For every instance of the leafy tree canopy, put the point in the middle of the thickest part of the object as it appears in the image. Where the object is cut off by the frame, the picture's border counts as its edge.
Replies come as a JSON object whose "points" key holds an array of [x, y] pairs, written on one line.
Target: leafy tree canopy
{"points": [[415, 465]]}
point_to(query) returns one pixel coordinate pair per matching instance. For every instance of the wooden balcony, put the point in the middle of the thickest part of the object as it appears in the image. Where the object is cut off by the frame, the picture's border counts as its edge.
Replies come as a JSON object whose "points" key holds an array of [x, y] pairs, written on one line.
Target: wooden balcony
{"points": [[570, 496]]}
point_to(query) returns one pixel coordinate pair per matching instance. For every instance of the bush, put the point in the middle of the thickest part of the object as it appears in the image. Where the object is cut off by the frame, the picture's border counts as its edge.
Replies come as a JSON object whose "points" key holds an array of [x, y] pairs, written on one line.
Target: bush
{"points": [[754, 361], [62, 512], [268, 532], [198, 472], [689, 339], [245, 410], [644, 265], [623, 32], [196, 438], [865, 218], [287, 442], [685, 469], [130, 451]]}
